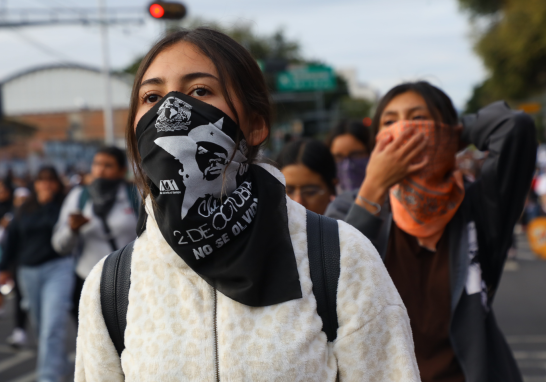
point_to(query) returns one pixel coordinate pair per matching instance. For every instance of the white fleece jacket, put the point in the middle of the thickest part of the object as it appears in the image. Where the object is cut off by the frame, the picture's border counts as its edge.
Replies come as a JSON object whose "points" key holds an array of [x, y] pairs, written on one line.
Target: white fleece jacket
{"points": [[170, 333]]}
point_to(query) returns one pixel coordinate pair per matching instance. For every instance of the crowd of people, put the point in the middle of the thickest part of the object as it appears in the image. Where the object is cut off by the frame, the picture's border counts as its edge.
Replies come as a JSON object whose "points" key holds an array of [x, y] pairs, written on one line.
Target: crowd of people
{"points": [[51, 240], [216, 240]]}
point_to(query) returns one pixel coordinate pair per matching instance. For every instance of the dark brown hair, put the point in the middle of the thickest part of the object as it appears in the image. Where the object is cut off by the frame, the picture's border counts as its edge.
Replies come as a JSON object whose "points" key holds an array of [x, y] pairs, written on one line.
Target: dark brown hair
{"points": [[237, 70], [355, 128], [314, 155], [437, 101], [31, 204], [116, 153]]}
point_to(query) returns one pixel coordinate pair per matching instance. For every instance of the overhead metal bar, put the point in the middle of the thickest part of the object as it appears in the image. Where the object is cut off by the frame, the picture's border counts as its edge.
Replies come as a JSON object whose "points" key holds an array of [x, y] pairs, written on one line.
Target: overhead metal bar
{"points": [[13, 18]]}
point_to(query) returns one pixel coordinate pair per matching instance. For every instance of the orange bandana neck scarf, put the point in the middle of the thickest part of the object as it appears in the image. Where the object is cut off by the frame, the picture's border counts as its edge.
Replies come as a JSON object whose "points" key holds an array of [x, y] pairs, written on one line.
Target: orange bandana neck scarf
{"points": [[424, 202]]}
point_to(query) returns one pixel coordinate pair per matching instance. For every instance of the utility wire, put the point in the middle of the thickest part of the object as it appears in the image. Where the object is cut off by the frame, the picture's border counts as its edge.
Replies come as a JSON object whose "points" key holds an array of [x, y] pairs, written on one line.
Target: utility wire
{"points": [[64, 59]]}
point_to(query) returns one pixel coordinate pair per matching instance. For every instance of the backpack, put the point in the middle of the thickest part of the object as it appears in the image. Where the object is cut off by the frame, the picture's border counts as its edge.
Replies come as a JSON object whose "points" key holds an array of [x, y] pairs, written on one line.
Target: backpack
{"points": [[324, 260]]}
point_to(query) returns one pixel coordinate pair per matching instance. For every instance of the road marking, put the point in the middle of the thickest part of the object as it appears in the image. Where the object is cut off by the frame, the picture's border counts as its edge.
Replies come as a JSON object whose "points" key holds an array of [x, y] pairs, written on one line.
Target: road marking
{"points": [[526, 339], [16, 359], [30, 377], [7, 349], [520, 355], [511, 265]]}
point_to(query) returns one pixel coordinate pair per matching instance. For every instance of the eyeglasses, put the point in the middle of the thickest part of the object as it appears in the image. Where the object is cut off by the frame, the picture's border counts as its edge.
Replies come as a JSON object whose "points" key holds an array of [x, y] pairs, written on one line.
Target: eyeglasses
{"points": [[352, 155], [306, 192]]}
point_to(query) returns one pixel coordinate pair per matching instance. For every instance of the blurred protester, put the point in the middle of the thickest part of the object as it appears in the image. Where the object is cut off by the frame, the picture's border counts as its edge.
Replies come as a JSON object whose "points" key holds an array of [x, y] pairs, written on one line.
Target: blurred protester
{"points": [[540, 190], [243, 308], [6, 209], [6, 203], [349, 143], [533, 209], [445, 243], [98, 218], [46, 278], [310, 173], [18, 336]]}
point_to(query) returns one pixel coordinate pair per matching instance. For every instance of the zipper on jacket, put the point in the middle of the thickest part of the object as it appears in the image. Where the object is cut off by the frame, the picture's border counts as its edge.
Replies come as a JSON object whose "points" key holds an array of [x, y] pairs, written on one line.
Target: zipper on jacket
{"points": [[215, 328]]}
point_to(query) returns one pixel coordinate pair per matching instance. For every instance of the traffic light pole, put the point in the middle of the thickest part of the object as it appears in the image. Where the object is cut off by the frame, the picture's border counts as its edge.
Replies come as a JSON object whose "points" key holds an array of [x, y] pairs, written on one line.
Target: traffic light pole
{"points": [[107, 111]]}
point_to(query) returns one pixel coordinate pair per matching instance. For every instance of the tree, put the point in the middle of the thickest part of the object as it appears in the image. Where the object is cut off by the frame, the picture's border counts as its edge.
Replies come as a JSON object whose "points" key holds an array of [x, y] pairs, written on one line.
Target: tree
{"points": [[355, 108], [481, 7], [512, 46]]}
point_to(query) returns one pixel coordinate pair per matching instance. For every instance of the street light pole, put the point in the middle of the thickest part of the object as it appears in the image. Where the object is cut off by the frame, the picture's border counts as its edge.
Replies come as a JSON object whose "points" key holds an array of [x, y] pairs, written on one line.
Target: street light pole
{"points": [[108, 113]]}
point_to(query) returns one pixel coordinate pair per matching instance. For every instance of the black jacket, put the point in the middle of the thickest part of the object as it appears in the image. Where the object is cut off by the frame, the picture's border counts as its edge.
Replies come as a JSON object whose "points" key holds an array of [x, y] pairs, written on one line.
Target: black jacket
{"points": [[28, 241], [490, 209]]}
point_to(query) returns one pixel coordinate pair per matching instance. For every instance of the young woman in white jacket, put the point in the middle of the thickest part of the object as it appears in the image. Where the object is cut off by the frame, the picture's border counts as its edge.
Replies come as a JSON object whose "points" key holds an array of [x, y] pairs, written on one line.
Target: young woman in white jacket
{"points": [[220, 280]]}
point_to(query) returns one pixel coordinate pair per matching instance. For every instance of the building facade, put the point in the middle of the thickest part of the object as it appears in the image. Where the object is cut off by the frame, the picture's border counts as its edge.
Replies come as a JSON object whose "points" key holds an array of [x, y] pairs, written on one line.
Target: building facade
{"points": [[63, 106]]}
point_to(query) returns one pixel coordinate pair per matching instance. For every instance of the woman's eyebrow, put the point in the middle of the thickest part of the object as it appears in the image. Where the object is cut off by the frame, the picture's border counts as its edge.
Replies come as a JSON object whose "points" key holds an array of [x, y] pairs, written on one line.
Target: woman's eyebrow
{"points": [[152, 81], [196, 75], [390, 112], [417, 108], [185, 78]]}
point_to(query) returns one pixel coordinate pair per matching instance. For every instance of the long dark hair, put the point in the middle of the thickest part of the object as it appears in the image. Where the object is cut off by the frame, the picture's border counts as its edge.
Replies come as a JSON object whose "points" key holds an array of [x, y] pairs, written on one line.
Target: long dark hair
{"points": [[237, 70], [31, 204], [355, 128], [437, 101], [312, 154]]}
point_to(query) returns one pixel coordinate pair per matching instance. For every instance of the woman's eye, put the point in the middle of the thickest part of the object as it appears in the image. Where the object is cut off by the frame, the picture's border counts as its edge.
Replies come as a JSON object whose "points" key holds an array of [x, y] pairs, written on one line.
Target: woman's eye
{"points": [[151, 98], [200, 92], [388, 123], [419, 117]]}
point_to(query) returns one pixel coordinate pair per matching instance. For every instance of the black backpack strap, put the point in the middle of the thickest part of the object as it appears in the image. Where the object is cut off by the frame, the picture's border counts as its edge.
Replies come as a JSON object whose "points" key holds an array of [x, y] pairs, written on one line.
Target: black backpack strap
{"points": [[115, 282], [324, 259]]}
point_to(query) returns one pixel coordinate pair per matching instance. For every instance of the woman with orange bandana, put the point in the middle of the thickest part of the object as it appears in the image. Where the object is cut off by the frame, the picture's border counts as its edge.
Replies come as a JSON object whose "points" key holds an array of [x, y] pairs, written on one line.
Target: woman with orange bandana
{"points": [[444, 242]]}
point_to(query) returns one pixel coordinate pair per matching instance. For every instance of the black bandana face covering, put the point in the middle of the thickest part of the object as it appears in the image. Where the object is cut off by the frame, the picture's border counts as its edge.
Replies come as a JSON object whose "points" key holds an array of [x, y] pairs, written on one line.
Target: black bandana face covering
{"points": [[226, 219]]}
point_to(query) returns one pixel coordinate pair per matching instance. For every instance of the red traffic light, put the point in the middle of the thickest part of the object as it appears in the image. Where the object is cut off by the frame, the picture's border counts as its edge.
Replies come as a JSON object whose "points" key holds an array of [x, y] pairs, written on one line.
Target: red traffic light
{"points": [[167, 10], [157, 11]]}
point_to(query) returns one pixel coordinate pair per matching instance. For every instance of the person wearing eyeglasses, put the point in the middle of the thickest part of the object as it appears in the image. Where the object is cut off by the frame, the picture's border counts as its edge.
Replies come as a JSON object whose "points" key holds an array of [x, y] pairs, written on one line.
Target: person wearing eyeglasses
{"points": [[310, 173], [349, 143]]}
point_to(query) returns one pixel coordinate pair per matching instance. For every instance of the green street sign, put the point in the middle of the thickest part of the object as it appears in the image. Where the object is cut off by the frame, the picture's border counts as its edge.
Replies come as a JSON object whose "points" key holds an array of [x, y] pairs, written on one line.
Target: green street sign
{"points": [[306, 78]]}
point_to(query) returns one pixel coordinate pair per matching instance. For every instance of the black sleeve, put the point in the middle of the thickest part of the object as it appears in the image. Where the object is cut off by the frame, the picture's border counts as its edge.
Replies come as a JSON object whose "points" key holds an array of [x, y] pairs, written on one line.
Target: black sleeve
{"points": [[10, 246], [498, 196]]}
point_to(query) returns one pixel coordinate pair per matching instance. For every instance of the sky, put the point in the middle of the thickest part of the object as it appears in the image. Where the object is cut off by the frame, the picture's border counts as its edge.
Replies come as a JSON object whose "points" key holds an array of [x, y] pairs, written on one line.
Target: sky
{"points": [[386, 41]]}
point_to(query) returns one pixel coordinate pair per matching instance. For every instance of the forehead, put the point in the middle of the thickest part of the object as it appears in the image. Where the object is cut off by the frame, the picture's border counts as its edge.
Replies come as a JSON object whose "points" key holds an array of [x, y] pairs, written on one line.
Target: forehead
{"points": [[405, 101], [179, 59], [104, 157]]}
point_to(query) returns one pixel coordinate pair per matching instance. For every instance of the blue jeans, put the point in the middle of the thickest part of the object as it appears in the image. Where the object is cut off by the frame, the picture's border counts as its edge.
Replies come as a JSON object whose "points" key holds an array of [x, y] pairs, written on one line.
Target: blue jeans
{"points": [[47, 292]]}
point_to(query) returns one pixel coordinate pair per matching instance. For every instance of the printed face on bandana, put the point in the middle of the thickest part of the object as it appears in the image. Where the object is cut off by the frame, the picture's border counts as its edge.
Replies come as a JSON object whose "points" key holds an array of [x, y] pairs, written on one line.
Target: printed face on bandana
{"points": [[204, 154], [211, 159]]}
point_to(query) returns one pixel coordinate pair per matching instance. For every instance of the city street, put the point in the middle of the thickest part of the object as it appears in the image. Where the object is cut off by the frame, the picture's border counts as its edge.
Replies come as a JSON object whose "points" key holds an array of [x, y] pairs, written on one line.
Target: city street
{"points": [[520, 308]]}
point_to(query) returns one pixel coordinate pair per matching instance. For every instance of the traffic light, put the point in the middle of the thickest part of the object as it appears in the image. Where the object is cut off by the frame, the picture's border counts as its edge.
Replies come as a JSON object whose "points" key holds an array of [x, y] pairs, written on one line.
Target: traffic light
{"points": [[167, 10]]}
